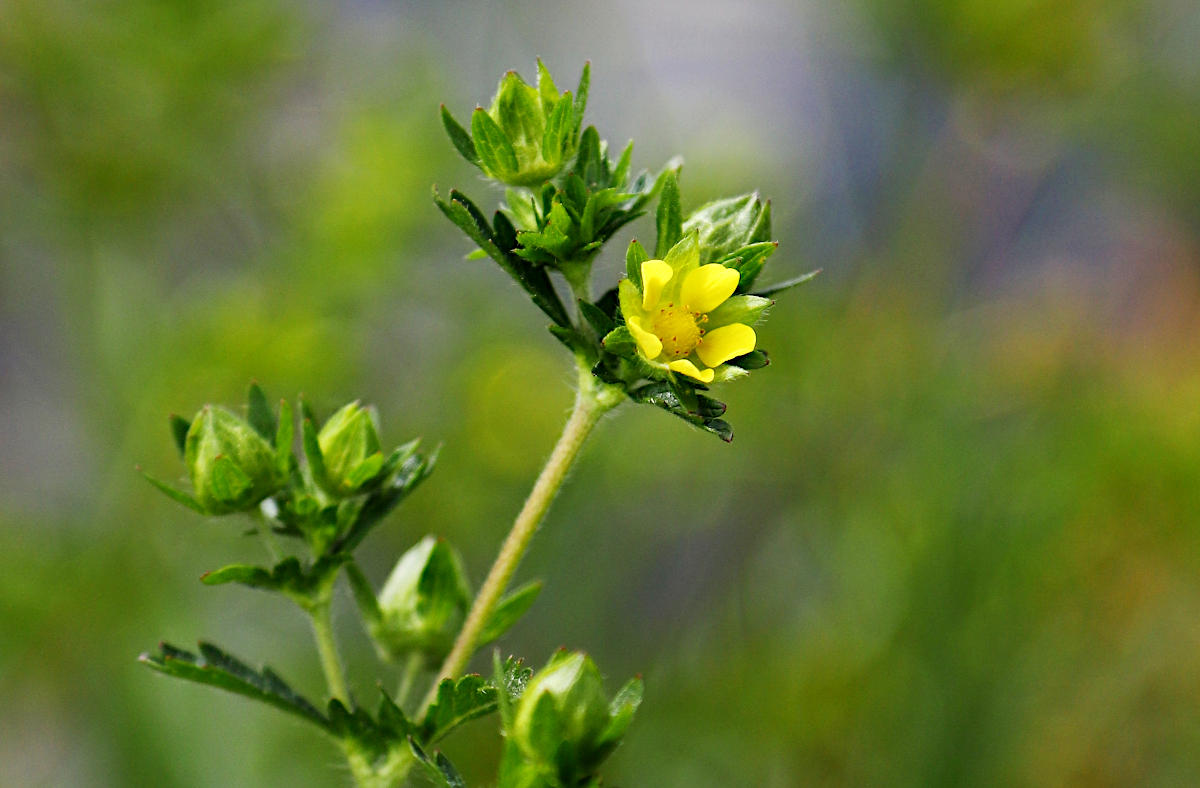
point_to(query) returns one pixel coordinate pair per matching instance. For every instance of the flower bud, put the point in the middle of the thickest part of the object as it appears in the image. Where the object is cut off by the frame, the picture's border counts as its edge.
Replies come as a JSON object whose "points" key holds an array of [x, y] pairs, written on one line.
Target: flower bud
{"points": [[424, 601], [232, 467], [349, 443], [725, 226], [528, 134], [565, 722]]}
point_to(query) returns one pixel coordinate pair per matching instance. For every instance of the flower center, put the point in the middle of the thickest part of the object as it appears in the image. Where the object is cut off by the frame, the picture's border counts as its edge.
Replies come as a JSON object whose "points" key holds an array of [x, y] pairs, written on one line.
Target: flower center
{"points": [[678, 329]]}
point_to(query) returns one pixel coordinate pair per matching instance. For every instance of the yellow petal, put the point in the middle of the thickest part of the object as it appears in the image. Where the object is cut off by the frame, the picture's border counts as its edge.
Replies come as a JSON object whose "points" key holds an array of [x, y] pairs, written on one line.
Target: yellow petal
{"points": [[726, 342], [708, 286], [647, 342], [655, 274], [688, 368]]}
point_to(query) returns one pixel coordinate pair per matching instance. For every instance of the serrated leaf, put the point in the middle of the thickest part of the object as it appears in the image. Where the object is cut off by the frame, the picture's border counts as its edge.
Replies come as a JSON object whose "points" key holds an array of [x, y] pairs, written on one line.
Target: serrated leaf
{"points": [[459, 137], [217, 668], [669, 216], [787, 283], [458, 701], [258, 413], [179, 431], [509, 611]]}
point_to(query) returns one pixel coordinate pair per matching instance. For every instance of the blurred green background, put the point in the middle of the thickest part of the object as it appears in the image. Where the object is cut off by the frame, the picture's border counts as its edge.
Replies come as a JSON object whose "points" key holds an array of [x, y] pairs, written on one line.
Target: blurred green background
{"points": [[955, 542]]}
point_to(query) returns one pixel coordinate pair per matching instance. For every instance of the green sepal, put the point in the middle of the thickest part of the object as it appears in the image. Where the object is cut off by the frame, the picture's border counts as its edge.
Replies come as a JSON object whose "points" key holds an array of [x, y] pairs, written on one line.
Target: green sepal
{"points": [[748, 261], [312, 451], [364, 595], [175, 494], [635, 255], [509, 611], [688, 404], [285, 435], [623, 707], [258, 413], [382, 500], [786, 284], [496, 154], [228, 482], [620, 342], [216, 668], [438, 769], [669, 216], [747, 309], [460, 137], [581, 94], [179, 431], [755, 359]]}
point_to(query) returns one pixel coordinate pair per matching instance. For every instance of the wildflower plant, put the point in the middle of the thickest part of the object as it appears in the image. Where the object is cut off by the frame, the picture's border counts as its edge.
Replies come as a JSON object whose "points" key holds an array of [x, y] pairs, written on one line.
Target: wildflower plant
{"points": [[682, 318]]}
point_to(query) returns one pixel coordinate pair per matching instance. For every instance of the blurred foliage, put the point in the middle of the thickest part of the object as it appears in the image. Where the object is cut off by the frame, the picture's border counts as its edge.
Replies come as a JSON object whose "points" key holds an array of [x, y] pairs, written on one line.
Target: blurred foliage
{"points": [[958, 524]]}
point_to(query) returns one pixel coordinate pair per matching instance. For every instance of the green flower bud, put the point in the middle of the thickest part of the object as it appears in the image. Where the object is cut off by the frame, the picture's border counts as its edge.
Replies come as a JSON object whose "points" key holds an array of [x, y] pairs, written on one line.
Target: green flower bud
{"points": [[424, 601], [232, 468], [528, 134], [725, 226], [564, 722], [350, 450]]}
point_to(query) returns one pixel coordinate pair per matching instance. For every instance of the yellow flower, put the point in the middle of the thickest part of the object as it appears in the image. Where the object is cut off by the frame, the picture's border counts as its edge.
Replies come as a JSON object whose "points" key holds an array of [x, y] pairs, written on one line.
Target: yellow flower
{"points": [[685, 317]]}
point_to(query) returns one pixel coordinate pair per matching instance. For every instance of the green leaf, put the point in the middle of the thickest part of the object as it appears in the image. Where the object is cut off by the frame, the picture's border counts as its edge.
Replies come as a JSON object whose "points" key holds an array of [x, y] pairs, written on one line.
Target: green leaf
{"points": [[620, 173], [302, 584], [458, 701], [438, 769], [623, 707], [459, 136], [364, 595], [470, 697], [634, 257], [581, 95], [573, 340], [669, 217], [787, 283], [382, 500], [179, 431], [258, 413], [559, 131], [509, 611], [596, 317], [217, 668], [620, 342], [496, 154], [179, 496]]}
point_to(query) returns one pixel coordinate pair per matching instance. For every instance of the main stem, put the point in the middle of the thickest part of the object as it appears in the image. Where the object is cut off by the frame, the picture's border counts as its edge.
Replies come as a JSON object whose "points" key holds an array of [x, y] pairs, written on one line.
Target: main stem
{"points": [[592, 400]]}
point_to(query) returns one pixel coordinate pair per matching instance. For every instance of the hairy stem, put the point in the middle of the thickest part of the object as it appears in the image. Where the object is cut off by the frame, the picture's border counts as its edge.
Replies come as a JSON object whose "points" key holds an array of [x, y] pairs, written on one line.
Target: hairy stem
{"points": [[331, 663], [592, 400]]}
